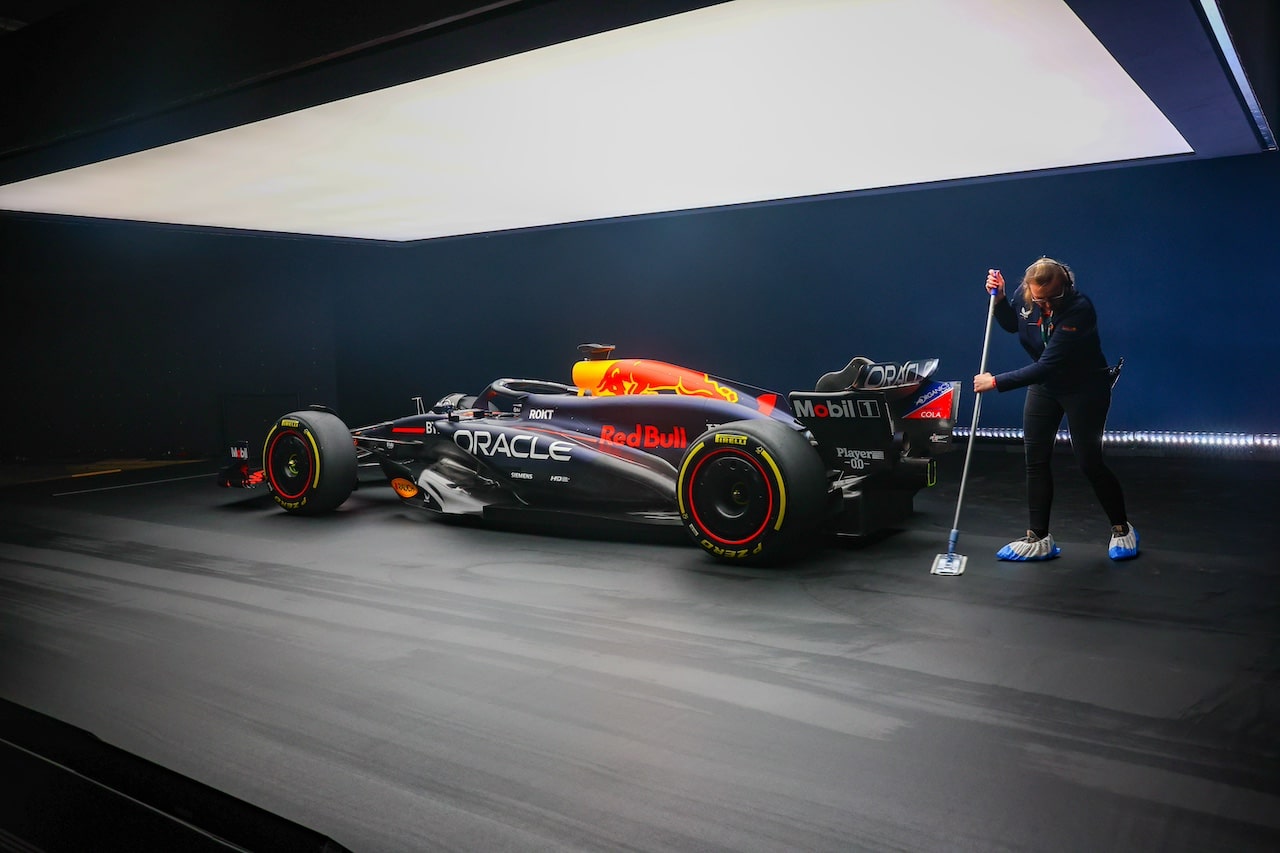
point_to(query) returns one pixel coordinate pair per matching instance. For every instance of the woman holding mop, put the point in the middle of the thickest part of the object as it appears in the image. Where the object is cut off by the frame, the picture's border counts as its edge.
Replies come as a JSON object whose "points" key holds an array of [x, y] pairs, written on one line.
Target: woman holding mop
{"points": [[1068, 376]]}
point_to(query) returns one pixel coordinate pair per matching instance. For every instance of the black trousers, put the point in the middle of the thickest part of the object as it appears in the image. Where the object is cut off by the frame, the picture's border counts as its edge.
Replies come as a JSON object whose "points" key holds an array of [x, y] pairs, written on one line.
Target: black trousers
{"points": [[1086, 413]]}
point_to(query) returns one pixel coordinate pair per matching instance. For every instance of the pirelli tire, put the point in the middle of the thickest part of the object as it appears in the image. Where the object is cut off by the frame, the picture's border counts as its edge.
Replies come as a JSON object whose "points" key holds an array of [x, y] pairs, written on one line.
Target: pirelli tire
{"points": [[309, 461], [749, 491]]}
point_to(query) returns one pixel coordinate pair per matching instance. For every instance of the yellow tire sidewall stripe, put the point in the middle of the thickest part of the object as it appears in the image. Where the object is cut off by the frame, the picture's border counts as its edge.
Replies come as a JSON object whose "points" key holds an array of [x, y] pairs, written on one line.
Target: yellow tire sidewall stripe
{"points": [[315, 483], [684, 467], [782, 489]]}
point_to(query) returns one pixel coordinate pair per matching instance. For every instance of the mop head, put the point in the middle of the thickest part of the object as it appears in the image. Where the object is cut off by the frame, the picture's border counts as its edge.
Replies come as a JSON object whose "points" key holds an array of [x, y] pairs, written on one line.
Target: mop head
{"points": [[949, 564]]}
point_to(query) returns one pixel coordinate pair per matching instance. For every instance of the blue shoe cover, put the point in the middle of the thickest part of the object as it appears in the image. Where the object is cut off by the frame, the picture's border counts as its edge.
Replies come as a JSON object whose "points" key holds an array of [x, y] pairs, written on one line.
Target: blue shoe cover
{"points": [[1029, 548], [1124, 547]]}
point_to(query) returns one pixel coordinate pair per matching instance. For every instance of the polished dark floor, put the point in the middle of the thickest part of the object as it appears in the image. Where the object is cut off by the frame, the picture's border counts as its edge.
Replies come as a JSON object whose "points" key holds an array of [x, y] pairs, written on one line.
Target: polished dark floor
{"points": [[400, 684]]}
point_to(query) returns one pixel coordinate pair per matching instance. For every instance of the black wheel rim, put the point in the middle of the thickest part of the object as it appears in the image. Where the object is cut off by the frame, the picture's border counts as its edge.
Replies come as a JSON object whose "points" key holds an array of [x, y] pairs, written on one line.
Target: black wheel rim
{"points": [[730, 497], [289, 464]]}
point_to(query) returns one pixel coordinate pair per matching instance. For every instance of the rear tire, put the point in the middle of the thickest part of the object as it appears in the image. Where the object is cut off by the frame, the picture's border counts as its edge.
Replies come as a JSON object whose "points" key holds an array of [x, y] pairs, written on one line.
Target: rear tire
{"points": [[750, 490], [310, 462]]}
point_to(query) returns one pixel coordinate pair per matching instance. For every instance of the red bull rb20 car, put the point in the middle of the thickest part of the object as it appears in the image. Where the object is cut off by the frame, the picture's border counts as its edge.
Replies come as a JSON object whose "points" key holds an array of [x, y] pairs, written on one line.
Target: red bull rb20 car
{"points": [[748, 473]]}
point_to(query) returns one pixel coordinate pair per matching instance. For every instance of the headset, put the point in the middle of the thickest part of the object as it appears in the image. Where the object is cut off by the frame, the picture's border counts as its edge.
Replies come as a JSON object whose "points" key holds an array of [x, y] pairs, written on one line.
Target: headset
{"points": [[1068, 291], [1070, 288]]}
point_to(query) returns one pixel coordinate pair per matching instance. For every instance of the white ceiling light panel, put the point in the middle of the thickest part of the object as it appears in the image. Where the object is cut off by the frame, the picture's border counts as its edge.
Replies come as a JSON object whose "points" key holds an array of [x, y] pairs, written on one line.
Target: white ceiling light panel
{"points": [[747, 101]]}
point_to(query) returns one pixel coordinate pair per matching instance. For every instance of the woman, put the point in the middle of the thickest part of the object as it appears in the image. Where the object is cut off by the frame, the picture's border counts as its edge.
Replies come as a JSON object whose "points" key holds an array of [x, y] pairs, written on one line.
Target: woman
{"points": [[1068, 375]]}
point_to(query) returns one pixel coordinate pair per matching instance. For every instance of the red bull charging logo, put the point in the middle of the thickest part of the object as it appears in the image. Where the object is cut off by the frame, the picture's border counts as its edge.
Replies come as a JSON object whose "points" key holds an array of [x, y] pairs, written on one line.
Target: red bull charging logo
{"points": [[642, 376]]}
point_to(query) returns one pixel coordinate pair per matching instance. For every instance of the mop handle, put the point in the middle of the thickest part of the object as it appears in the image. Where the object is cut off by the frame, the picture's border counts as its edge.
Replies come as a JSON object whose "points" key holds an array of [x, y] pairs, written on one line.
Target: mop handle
{"points": [[973, 428]]}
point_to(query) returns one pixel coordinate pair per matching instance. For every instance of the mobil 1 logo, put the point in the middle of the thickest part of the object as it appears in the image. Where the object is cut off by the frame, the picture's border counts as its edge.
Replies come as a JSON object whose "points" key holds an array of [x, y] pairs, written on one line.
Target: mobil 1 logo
{"points": [[850, 408]]}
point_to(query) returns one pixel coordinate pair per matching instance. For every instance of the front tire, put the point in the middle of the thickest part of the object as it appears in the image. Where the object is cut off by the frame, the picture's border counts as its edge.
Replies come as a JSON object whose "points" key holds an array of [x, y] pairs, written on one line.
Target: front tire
{"points": [[750, 490], [310, 462]]}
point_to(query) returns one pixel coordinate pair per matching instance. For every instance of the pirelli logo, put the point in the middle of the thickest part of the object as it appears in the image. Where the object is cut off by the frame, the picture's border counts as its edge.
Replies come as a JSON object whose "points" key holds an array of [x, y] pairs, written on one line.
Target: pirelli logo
{"points": [[730, 438]]}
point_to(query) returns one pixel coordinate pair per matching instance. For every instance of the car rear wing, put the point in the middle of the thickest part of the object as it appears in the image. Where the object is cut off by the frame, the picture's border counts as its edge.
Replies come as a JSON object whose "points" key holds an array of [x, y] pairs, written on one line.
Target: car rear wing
{"points": [[883, 412], [241, 471]]}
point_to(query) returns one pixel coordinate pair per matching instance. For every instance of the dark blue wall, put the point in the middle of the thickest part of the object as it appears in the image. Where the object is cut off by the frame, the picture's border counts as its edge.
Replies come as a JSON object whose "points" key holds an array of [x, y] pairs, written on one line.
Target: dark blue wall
{"points": [[126, 338], [777, 295]]}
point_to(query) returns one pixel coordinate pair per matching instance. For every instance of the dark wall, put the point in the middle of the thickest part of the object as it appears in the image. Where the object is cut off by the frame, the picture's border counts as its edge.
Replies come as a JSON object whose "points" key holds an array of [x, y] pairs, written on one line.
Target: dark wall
{"points": [[128, 340], [131, 339], [777, 295]]}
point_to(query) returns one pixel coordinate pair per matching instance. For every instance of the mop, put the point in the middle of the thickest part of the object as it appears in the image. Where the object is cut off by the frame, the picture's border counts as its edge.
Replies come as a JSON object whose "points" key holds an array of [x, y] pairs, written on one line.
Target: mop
{"points": [[952, 563]]}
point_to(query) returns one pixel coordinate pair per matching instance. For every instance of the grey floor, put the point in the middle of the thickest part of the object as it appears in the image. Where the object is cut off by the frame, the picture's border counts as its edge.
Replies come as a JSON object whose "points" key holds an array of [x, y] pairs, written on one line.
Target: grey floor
{"points": [[400, 684]]}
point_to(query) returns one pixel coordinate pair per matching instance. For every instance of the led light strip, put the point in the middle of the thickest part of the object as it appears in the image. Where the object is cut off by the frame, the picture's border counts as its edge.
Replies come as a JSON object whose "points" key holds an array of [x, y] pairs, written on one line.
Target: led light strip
{"points": [[1193, 443]]}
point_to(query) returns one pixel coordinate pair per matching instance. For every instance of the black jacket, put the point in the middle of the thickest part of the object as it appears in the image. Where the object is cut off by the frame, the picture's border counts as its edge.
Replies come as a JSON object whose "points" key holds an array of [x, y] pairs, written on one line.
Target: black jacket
{"points": [[1071, 360]]}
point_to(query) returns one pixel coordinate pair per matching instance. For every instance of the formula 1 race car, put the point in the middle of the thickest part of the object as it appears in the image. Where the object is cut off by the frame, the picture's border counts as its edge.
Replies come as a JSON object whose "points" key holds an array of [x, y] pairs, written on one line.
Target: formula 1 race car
{"points": [[747, 472]]}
